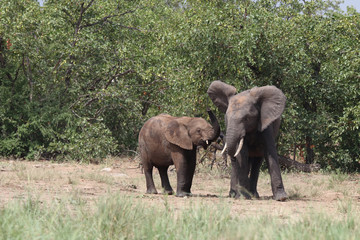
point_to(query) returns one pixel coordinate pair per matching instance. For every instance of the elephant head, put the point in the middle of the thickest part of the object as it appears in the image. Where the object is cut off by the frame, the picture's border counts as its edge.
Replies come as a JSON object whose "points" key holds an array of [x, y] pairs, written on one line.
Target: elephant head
{"points": [[246, 112], [186, 132]]}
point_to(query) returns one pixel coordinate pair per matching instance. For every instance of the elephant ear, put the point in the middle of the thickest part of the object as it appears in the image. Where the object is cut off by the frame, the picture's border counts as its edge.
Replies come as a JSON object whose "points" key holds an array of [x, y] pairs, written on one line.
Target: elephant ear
{"points": [[272, 104], [177, 134], [220, 93]]}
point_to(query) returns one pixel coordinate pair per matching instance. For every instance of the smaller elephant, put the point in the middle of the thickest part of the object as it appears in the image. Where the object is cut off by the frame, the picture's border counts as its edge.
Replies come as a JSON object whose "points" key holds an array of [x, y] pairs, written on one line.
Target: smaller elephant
{"points": [[165, 140]]}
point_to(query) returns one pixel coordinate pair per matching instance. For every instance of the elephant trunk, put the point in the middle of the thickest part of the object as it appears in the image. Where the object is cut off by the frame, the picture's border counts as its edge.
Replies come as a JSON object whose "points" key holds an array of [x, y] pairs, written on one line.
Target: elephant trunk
{"points": [[234, 141], [215, 124]]}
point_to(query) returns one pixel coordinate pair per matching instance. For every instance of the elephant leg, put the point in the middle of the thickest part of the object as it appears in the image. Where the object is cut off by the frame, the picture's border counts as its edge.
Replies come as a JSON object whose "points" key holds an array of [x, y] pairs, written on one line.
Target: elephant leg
{"points": [[183, 173], [190, 170], [165, 183], [254, 174], [148, 170], [234, 182], [271, 157], [240, 184]]}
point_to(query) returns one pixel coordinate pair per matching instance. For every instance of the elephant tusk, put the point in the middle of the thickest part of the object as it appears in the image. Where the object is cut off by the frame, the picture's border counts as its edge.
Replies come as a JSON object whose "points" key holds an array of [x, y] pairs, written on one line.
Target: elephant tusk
{"points": [[207, 142], [224, 148], [240, 147]]}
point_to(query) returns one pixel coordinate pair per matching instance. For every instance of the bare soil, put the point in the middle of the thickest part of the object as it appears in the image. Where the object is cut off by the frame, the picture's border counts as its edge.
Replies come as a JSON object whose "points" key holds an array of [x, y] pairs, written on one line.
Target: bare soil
{"points": [[333, 194]]}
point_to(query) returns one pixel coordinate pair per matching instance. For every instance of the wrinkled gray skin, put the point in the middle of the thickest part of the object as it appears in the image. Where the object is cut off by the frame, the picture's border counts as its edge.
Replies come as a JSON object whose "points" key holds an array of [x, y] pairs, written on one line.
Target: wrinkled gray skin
{"points": [[165, 140], [254, 116]]}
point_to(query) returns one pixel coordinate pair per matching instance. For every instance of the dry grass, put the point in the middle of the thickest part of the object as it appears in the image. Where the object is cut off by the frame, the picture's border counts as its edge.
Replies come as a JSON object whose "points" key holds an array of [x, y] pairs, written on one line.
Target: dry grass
{"points": [[44, 200], [333, 194]]}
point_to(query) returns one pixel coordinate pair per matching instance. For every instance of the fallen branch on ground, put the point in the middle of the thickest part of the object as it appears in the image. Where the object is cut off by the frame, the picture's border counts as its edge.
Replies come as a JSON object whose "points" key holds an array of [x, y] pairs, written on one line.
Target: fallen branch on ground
{"points": [[294, 165]]}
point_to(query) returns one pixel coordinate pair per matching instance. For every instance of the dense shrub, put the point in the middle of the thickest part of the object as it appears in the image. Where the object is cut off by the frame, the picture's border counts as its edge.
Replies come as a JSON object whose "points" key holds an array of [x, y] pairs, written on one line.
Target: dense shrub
{"points": [[79, 78]]}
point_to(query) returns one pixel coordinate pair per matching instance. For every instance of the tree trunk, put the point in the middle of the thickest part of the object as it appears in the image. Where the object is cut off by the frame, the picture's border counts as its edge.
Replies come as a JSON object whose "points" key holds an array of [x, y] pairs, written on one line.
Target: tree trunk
{"points": [[310, 155]]}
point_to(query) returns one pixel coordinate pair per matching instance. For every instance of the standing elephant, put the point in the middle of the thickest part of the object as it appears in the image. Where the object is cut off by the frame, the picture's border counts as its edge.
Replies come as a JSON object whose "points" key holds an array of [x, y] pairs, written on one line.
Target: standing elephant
{"points": [[165, 140], [252, 121]]}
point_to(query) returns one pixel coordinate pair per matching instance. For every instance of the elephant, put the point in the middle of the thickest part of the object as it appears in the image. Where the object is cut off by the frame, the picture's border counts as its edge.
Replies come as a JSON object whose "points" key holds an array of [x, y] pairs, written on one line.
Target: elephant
{"points": [[252, 120], [165, 140]]}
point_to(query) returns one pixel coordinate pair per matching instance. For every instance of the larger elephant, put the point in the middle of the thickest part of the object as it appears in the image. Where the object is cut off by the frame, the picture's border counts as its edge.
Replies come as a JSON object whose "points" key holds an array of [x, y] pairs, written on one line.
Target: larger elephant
{"points": [[252, 121], [165, 140]]}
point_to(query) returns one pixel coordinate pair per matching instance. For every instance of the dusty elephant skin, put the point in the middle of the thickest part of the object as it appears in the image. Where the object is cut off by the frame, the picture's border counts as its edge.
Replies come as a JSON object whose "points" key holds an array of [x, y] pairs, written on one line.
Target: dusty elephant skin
{"points": [[252, 121], [165, 140]]}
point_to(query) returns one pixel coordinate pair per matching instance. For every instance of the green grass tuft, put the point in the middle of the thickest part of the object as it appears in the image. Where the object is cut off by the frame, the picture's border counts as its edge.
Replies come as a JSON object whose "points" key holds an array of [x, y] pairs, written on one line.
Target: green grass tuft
{"points": [[118, 217]]}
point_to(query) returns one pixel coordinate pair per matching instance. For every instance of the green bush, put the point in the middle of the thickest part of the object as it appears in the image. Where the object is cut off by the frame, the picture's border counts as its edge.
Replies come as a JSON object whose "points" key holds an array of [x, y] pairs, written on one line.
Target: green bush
{"points": [[74, 71], [82, 141]]}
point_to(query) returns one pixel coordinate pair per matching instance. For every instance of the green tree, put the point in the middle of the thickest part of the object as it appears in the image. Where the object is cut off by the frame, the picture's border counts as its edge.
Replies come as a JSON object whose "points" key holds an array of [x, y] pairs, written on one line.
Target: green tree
{"points": [[79, 78]]}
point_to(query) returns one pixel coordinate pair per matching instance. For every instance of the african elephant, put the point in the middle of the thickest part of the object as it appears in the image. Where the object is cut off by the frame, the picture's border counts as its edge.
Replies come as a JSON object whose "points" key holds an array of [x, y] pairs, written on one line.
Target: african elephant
{"points": [[165, 140], [252, 121]]}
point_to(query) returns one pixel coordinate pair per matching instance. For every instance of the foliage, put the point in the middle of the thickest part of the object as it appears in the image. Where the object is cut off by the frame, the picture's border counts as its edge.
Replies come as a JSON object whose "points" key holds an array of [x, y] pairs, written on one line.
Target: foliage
{"points": [[72, 73]]}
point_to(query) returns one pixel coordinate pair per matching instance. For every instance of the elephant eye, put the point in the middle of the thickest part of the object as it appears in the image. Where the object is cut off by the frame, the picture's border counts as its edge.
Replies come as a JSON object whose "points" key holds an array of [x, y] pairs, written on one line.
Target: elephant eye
{"points": [[198, 130]]}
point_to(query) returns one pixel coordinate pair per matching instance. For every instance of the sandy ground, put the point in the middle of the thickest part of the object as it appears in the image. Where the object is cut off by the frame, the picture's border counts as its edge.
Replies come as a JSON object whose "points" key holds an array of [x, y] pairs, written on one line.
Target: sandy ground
{"points": [[331, 194]]}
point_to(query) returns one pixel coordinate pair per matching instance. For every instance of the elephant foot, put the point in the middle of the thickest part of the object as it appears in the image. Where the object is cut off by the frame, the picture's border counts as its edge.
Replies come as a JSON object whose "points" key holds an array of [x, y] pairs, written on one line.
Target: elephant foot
{"points": [[255, 194], [151, 191], [183, 194], [241, 193], [168, 192], [280, 196]]}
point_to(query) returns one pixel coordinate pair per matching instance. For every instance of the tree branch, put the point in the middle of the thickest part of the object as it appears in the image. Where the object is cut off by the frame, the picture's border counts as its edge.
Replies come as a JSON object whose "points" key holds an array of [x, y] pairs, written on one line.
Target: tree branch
{"points": [[118, 75], [294, 165], [27, 73], [77, 29], [105, 19], [90, 101], [69, 16], [89, 5]]}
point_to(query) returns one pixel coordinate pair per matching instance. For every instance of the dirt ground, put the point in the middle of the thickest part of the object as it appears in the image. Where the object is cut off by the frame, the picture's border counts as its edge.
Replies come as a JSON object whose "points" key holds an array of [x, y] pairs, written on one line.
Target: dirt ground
{"points": [[332, 194]]}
